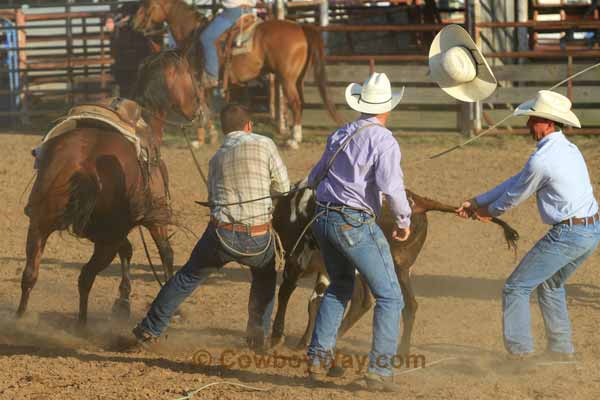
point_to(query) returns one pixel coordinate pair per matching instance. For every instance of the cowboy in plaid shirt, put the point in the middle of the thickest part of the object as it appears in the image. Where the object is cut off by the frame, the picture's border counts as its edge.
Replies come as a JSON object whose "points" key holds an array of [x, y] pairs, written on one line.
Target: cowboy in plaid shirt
{"points": [[246, 167]]}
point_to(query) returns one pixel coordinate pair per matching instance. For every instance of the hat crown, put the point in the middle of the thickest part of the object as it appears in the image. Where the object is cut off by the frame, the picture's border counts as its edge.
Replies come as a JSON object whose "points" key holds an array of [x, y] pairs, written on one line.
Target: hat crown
{"points": [[547, 99], [459, 65], [376, 88]]}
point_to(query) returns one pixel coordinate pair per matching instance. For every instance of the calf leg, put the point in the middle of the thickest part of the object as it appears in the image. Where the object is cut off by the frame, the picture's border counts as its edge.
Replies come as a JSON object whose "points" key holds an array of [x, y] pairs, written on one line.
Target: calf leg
{"points": [[290, 281], [103, 255], [122, 308], [409, 312], [314, 302], [361, 302]]}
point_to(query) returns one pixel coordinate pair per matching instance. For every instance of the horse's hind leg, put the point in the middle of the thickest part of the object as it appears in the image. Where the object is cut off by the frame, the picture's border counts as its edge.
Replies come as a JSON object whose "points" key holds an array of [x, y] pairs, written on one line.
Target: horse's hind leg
{"points": [[361, 302], [36, 241], [409, 312], [104, 253], [122, 307], [295, 103]]}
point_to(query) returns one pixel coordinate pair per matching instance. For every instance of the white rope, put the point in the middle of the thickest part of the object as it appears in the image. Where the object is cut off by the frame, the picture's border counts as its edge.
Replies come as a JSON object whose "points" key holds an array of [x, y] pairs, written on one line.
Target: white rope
{"points": [[189, 395], [427, 366], [510, 115]]}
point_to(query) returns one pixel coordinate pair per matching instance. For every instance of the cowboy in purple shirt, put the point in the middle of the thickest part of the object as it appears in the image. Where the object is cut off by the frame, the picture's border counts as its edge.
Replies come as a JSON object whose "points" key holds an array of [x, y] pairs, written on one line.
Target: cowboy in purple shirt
{"points": [[349, 193]]}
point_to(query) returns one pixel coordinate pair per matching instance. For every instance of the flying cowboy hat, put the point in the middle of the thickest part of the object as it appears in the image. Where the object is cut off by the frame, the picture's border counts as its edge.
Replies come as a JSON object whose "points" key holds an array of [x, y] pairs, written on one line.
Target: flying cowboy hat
{"points": [[374, 96], [549, 105], [458, 66]]}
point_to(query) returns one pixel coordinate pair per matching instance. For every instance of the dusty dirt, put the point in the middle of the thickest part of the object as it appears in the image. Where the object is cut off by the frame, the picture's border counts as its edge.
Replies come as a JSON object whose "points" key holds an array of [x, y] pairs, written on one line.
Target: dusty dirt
{"points": [[458, 281]]}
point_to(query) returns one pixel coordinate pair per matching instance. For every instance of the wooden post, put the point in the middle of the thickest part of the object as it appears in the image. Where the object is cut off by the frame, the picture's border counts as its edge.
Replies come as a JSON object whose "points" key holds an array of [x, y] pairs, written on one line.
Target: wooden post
{"points": [[569, 73], [470, 113], [522, 33], [20, 20], [69, 30]]}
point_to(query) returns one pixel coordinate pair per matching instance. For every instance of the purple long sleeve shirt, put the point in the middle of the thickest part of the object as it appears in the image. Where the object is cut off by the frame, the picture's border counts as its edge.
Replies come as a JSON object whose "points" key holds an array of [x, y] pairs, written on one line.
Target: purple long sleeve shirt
{"points": [[368, 167]]}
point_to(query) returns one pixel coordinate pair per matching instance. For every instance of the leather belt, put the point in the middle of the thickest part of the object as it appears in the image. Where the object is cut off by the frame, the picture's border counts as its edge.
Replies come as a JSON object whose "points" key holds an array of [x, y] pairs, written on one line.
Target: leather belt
{"points": [[252, 230], [581, 221], [340, 206]]}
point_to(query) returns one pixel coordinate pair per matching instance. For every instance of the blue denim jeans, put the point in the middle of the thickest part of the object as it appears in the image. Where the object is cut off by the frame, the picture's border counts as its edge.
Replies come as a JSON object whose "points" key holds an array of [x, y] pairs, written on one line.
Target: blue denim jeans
{"points": [[546, 267], [208, 255], [217, 27], [351, 241]]}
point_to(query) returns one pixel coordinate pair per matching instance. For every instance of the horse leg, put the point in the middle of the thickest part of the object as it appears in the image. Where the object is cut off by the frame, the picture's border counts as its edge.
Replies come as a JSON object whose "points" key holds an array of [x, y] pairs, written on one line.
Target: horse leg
{"points": [[293, 98], [122, 308], [314, 303], [36, 241], [361, 302], [160, 236], [290, 281], [103, 255], [409, 312]]}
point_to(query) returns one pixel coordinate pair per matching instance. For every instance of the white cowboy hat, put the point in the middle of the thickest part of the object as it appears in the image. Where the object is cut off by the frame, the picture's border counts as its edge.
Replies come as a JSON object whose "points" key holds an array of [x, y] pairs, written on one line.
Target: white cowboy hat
{"points": [[549, 105], [374, 96], [458, 66]]}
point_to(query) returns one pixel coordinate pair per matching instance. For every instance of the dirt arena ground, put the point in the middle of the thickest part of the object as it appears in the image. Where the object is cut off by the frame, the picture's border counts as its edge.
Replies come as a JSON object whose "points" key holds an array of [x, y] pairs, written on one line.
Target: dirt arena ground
{"points": [[458, 280]]}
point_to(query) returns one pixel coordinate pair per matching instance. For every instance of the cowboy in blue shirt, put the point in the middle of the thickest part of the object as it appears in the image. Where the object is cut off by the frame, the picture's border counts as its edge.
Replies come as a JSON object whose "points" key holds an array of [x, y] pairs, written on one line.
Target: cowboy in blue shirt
{"points": [[556, 172]]}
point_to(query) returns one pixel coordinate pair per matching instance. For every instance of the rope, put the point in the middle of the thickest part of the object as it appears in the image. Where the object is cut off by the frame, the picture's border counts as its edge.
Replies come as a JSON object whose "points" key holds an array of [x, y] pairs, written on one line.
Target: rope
{"points": [[148, 256], [428, 365], [189, 395], [279, 251], [198, 167], [509, 115]]}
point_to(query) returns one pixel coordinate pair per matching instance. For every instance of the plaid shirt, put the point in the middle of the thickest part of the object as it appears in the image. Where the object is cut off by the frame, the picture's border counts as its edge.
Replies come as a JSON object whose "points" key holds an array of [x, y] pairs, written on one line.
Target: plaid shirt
{"points": [[247, 166]]}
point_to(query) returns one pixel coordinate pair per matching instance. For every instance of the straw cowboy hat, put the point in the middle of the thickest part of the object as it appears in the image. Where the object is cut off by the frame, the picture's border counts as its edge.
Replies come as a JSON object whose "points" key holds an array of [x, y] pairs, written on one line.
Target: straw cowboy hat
{"points": [[374, 96], [549, 105], [458, 66]]}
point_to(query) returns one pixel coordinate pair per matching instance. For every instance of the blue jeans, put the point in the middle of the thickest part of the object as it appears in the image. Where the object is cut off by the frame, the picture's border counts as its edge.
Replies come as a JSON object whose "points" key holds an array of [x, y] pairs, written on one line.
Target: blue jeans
{"points": [[216, 28], [208, 255], [546, 267], [351, 241]]}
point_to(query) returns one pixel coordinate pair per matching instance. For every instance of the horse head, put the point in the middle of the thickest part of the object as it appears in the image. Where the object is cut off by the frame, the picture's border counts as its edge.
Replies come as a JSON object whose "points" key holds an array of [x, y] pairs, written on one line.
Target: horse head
{"points": [[150, 14], [166, 80]]}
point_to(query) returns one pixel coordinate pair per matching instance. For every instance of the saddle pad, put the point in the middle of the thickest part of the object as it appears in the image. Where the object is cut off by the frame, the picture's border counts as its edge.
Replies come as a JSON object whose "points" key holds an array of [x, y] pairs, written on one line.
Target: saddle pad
{"points": [[121, 114], [244, 39]]}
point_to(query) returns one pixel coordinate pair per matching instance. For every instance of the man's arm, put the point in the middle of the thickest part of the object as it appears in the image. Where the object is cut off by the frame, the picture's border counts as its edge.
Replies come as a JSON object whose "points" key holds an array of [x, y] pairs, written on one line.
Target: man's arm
{"points": [[280, 182], [390, 181], [527, 182], [317, 170], [492, 195]]}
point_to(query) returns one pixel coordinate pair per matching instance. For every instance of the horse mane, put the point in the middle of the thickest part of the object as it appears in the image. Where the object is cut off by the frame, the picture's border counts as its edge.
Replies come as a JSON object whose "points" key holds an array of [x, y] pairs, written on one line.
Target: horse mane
{"points": [[179, 7], [150, 89]]}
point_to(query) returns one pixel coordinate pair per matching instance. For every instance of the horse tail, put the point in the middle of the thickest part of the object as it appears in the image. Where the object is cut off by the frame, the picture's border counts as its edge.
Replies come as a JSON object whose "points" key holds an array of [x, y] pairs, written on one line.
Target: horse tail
{"points": [[317, 57], [84, 187]]}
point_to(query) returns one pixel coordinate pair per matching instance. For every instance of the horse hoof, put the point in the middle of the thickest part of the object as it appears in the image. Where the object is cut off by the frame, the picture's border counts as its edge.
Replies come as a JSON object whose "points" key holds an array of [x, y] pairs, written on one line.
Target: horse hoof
{"points": [[121, 309], [195, 144], [292, 144]]}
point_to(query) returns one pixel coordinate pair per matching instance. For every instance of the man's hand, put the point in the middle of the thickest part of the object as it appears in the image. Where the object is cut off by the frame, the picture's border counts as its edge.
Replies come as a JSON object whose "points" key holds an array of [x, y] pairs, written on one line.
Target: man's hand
{"points": [[469, 209], [400, 234]]}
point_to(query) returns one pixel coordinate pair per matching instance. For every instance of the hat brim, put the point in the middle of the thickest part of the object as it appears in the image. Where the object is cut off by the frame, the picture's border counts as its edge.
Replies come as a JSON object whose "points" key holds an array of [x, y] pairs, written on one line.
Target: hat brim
{"points": [[479, 88], [353, 93], [567, 118]]}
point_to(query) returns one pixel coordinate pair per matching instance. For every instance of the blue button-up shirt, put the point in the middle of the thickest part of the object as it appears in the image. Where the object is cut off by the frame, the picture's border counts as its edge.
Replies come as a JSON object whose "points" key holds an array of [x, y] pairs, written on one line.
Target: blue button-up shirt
{"points": [[557, 174], [366, 168]]}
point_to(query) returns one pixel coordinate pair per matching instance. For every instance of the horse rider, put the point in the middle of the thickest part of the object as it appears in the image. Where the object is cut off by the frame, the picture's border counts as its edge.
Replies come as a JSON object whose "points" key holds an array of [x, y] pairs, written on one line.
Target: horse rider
{"points": [[556, 172], [361, 162], [232, 12], [246, 167]]}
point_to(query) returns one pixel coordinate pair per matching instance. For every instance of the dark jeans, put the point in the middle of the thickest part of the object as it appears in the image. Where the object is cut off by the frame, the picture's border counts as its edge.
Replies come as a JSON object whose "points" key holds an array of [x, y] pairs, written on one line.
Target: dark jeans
{"points": [[209, 255]]}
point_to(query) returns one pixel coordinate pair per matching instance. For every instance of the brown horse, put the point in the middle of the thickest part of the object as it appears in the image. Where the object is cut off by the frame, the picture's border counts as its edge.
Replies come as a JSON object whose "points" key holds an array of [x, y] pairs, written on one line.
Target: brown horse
{"points": [[282, 47], [91, 181]]}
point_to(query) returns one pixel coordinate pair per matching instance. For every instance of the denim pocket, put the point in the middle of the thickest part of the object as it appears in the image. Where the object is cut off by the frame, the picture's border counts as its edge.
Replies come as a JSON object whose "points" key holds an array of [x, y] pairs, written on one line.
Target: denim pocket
{"points": [[350, 235]]}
